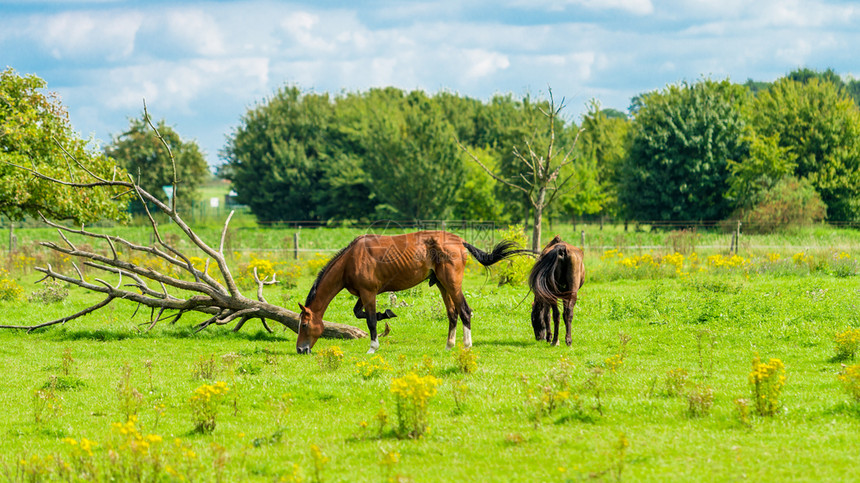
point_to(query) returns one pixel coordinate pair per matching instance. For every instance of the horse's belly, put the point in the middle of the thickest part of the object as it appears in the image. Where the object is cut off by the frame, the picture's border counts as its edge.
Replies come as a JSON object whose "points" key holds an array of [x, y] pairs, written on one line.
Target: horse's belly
{"points": [[402, 279]]}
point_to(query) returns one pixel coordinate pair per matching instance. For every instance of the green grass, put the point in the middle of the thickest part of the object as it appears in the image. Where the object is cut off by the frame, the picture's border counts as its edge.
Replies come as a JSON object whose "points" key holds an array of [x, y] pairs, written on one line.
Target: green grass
{"points": [[492, 437]]}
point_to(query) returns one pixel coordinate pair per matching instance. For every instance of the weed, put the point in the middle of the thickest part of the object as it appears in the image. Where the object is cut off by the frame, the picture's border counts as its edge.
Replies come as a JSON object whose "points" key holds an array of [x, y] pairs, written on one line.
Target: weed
{"points": [[67, 362], [767, 380], [46, 403], [129, 398], [620, 455], [320, 461], [742, 406], [204, 405], [705, 346], [847, 343], [466, 360], [676, 382], [330, 358], [205, 368], [387, 461], [460, 390], [700, 399], [412, 393], [9, 289], [51, 292]]}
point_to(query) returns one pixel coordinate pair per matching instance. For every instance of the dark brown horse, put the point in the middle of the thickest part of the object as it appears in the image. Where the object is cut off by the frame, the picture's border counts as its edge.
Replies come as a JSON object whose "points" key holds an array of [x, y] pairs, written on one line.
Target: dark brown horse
{"points": [[557, 275], [374, 264]]}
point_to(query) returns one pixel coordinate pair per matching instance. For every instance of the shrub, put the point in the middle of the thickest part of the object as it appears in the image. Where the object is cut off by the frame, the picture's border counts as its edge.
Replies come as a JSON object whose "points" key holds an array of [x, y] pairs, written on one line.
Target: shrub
{"points": [[412, 394], [514, 271], [767, 380], [676, 382], [789, 203]]}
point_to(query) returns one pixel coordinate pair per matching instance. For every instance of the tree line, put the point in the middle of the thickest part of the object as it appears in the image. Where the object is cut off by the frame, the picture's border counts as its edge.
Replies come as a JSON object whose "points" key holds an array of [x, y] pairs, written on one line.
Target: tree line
{"points": [[764, 153]]}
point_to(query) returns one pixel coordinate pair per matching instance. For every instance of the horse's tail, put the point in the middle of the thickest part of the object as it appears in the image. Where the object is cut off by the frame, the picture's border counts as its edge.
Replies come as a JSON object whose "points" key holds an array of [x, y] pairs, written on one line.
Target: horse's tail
{"points": [[505, 249], [552, 275]]}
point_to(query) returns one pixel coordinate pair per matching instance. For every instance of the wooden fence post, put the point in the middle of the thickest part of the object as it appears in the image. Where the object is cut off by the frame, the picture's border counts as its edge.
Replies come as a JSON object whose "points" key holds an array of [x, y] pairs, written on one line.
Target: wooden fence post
{"points": [[296, 245], [582, 239]]}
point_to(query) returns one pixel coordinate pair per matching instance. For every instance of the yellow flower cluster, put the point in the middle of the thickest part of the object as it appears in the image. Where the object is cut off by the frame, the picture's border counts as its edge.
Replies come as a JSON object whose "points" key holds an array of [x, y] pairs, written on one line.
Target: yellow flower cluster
{"points": [[84, 447], [614, 362], [9, 289], [726, 261], [330, 358], [369, 369], [208, 392], [412, 393], [767, 380], [417, 389]]}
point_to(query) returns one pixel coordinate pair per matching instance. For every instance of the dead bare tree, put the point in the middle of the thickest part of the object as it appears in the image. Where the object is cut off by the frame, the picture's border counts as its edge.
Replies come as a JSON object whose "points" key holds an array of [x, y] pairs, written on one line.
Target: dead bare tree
{"points": [[541, 175], [217, 296]]}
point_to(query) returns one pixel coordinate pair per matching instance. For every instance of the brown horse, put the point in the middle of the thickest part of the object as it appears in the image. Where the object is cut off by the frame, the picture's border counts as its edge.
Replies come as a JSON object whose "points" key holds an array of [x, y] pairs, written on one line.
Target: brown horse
{"points": [[373, 264], [557, 274]]}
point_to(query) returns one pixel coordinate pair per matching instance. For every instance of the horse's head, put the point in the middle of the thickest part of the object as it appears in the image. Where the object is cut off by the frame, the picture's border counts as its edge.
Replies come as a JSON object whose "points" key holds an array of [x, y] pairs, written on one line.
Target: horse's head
{"points": [[540, 320], [310, 329]]}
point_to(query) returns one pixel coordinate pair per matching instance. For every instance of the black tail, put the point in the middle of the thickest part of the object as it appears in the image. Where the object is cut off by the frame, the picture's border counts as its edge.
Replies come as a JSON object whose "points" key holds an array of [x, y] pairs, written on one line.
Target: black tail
{"points": [[552, 275], [505, 249]]}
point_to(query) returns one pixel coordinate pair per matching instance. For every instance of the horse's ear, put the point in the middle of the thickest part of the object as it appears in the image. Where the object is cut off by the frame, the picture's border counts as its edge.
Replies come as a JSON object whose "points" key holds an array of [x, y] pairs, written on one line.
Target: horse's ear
{"points": [[304, 309]]}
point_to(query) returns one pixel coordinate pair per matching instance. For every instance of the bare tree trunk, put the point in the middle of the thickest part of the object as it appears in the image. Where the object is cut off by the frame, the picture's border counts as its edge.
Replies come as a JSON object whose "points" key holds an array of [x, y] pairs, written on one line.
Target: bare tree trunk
{"points": [[538, 220]]}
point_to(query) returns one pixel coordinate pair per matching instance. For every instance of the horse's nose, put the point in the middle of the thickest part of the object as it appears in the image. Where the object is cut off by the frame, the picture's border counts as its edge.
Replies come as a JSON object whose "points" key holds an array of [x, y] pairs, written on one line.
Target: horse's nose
{"points": [[303, 349]]}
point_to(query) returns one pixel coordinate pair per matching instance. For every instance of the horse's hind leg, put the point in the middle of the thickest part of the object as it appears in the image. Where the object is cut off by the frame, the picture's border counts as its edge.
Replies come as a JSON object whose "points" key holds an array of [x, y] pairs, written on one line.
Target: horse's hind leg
{"points": [[555, 323], [451, 310], [466, 316], [568, 317]]}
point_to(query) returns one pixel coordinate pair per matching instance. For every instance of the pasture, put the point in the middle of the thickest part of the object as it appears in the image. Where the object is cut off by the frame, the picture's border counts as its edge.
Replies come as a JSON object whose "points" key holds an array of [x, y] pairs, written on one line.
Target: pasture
{"points": [[656, 386]]}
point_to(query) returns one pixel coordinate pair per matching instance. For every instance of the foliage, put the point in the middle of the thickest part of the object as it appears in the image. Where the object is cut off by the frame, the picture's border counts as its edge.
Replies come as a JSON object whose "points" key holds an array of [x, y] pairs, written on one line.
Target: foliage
{"points": [[373, 367], [412, 394], [820, 126], [767, 380], [37, 134], [700, 400], [140, 152], [676, 382], [129, 398], [409, 152], [681, 142]]}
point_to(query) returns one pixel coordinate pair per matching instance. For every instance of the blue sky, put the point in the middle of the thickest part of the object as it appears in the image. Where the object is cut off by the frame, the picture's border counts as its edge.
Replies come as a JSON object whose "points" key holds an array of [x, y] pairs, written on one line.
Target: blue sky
{"points": [[201, 65]]}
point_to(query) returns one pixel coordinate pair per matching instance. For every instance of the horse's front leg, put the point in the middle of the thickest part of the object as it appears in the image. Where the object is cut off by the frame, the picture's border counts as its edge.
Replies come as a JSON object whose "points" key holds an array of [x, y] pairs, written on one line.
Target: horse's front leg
{"points": [[368, 301]]}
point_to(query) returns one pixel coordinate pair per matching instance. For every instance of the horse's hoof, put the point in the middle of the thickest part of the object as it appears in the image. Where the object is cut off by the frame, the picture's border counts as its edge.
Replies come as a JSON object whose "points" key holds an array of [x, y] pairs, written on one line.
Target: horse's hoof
{"points": [[371, 351], [449, 346], [390, 314]]}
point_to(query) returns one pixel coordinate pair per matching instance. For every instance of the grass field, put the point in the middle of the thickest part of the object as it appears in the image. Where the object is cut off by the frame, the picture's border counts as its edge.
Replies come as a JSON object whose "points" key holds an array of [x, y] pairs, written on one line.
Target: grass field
{"points": [[651, 340]]}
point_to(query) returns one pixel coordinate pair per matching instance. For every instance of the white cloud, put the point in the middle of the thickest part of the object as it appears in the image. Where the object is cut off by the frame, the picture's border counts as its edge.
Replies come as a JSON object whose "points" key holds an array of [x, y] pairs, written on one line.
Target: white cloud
{"points": [[72, 35], [635, 7], [196, 30], [481, 64]]}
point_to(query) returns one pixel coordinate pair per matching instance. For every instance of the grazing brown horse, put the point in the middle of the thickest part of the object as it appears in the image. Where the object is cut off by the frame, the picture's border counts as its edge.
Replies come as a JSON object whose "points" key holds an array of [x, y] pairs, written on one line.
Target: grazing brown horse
{"points": [[557, 274], [373, 264]]}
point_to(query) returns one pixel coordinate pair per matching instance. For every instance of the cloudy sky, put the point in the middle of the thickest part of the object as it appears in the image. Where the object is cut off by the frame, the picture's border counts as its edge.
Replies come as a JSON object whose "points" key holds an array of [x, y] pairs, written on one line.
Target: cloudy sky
{"points": [[201, 65]]}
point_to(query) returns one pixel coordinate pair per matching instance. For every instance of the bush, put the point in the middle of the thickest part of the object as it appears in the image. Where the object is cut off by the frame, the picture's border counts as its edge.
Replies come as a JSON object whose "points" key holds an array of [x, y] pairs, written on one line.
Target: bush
{"points": [[791, 202]]}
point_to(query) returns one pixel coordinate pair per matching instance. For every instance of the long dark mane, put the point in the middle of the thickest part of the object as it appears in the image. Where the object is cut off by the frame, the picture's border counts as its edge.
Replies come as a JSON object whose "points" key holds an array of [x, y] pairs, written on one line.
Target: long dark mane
{"points": [[313, 292], [551, 276]]}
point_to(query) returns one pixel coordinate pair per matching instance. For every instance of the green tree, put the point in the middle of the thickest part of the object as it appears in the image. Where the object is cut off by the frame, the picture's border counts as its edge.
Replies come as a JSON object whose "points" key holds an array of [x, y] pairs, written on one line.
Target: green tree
{"points": [[143, 155], [602, 147], [820, 125], [681, 141], [410, 152], [35, 133]]}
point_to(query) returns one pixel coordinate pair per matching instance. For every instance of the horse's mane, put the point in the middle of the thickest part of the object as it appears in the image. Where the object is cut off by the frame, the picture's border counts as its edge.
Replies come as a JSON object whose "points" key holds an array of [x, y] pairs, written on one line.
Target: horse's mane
{"points": [[313, 292], [542, 278]]}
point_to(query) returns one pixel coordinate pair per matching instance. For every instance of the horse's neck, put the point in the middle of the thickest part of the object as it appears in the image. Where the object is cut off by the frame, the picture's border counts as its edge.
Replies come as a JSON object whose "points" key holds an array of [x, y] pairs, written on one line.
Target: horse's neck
{"points": [[330, 285]]}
